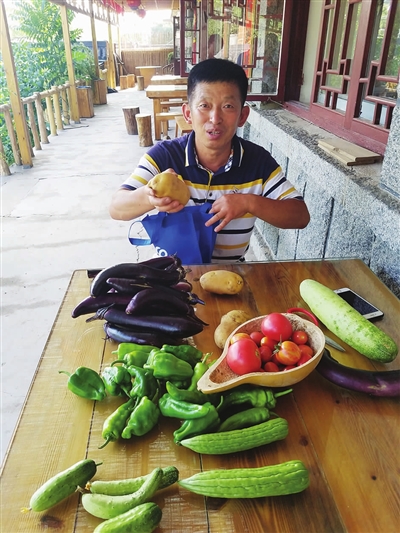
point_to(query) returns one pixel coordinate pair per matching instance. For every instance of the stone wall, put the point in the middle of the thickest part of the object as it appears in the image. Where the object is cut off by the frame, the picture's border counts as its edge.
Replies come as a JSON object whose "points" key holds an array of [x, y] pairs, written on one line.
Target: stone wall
{"points": [[355, 211]]}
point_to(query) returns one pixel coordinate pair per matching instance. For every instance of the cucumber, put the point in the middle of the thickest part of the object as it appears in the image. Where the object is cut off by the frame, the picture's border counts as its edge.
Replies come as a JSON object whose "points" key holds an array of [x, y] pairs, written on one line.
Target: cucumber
{"points": [[276, 480], [347, 323], [62, 485], [238, 440], [141, 519]]}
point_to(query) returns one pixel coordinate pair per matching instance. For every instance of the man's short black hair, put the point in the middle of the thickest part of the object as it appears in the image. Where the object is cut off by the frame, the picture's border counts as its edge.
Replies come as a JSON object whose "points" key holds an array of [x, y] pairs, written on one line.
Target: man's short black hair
{"points": [[218, 70]]}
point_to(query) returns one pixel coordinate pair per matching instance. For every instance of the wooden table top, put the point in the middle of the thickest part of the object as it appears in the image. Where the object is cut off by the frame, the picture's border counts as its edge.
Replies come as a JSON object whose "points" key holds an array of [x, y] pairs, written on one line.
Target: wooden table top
{"points": [[348, 441], [166, 91], [168, 79]]}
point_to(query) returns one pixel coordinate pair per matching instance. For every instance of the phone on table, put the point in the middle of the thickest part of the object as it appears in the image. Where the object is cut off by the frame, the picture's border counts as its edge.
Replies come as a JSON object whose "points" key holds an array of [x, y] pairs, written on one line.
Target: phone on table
{"points": [[369, 311]]}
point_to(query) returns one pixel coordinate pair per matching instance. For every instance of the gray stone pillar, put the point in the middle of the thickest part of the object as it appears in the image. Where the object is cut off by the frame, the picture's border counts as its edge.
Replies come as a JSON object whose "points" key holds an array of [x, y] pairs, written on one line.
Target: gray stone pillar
{"points": [[390, 177]]}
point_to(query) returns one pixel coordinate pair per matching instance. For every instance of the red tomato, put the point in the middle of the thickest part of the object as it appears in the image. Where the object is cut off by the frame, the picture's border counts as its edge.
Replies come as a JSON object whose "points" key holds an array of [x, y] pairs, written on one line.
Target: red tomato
{"points": [[239, 336], [271, 367], [289, 367], [243, 357], [267, 341], [289, 353], [265, 354], [303, 359], [299, 337], [305, 349], [256, 336], [277, 326]]}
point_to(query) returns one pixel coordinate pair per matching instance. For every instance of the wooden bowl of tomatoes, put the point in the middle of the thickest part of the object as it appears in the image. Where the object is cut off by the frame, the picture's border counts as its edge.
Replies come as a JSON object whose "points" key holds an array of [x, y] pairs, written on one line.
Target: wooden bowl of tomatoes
{"points": [[253, 355]]}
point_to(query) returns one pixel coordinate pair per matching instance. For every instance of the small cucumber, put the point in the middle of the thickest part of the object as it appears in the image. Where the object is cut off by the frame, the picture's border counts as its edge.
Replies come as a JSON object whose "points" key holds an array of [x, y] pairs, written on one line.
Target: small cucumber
{"points": [[62, 485], [127, 486], [276, 480], [141, 519], [238, 440], [347, 323], [105, 506]]}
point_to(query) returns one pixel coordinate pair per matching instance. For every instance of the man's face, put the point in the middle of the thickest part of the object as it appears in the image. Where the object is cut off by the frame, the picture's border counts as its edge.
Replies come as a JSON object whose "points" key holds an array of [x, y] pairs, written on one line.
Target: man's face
{"points": [[215, 112]]}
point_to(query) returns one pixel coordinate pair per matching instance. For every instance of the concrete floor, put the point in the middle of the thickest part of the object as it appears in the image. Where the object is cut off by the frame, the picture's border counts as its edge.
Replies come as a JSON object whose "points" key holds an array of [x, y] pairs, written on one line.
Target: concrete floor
{"points": [[55, 220]]}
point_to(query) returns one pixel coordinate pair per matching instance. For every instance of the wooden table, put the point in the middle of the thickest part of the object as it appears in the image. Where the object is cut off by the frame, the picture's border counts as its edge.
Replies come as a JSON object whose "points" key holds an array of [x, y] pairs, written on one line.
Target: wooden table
{"points": [[348, 441], [159, 93], [147, 72], [168, 79]]}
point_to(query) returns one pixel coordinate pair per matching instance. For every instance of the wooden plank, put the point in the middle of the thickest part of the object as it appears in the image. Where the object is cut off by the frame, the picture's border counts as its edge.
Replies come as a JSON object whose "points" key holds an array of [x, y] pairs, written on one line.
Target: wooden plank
{"points": [[349, 150]]}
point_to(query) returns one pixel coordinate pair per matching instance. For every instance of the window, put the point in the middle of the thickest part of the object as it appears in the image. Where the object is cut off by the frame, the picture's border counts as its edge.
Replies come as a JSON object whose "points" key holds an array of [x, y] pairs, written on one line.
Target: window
{"points": [[354, 87]]}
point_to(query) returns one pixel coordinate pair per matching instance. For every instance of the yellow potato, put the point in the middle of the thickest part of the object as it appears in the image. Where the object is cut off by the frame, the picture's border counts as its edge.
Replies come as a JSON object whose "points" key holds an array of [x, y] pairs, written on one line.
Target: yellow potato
{"points": [[172, 185], [221, 282], [229, 323]]}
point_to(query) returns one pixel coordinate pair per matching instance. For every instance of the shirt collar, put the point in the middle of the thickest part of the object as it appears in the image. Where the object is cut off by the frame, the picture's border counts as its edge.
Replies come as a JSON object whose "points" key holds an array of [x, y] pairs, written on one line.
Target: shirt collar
{"points": [[235, 158]]}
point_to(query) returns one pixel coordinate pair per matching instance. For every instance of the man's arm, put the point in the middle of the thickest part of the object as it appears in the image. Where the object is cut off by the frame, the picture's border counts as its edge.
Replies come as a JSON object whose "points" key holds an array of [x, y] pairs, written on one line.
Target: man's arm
{"points": [[284, 214]]}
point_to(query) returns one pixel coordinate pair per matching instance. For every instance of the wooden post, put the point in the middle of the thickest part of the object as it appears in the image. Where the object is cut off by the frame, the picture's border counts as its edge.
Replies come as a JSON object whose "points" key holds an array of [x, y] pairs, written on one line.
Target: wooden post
{"points": [[144, 129], [32, 124], [131, 80], [5, 169], [123, 82], [73, 96], [99, 92], [130, 119], [64, 104], [40, 116], [50, 114], [140, 83], [57, 109]]}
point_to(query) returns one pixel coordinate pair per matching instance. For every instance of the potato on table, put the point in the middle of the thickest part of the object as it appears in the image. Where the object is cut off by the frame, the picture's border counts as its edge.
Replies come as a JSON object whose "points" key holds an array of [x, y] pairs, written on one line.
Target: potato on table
{"points": [[229, 323], [221, 282]]}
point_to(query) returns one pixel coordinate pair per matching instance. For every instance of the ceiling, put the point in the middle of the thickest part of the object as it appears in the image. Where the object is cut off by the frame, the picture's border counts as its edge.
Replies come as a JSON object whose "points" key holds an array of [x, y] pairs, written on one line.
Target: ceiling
{"points": [[152, 5]]}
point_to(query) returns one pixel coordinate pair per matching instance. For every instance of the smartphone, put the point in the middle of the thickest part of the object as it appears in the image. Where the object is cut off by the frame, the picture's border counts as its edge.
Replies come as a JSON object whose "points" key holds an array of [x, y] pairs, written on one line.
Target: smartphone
{"points": [[361, 305]]}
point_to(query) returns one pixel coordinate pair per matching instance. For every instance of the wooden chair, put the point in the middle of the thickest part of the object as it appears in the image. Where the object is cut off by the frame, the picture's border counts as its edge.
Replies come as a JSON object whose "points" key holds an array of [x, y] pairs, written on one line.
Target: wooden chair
{"points": [[162, 119], [181, 126]]}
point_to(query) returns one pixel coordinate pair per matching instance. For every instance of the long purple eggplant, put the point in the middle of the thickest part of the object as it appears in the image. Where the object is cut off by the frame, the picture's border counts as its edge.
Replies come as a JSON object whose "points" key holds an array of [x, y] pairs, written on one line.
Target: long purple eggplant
{"points": [[121, 334], [175, 326], [375, 383], [137, 271], [166, 262], [157, 299], [127, 286], [91, 304]]}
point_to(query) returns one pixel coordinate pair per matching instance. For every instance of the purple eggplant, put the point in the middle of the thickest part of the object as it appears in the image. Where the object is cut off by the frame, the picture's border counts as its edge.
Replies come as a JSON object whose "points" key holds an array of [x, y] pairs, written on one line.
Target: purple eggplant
{"points": [[127, 286], [175, 326], [91, 304], [375, 383], [166, 262], [121, 334], [138, 271], [156, 299]]}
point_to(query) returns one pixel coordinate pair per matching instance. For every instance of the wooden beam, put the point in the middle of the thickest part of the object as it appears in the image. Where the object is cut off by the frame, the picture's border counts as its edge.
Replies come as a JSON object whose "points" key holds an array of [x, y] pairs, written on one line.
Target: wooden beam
{"points": [[13, 88], [111, 63], [94, 41], [75, 116]]}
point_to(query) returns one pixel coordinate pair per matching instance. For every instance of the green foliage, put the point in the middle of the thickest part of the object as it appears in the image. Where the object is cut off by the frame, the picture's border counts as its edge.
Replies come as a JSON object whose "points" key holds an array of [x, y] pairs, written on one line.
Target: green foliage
{"points": [[39, 54]]}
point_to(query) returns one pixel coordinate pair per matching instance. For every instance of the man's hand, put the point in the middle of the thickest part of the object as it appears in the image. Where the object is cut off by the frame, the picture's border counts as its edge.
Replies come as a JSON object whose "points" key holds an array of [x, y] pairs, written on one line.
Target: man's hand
{"points": [[164, 204], [227, 208]]}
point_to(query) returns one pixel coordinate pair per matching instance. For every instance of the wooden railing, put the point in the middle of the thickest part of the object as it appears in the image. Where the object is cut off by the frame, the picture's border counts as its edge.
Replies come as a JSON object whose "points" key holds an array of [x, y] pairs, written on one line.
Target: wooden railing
{"points": [[55, 113]]}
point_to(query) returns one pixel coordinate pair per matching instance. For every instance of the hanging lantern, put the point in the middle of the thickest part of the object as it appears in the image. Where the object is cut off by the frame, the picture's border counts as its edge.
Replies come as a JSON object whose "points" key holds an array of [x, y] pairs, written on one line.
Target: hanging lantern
{"points": [[134, 4], [141, 13]]}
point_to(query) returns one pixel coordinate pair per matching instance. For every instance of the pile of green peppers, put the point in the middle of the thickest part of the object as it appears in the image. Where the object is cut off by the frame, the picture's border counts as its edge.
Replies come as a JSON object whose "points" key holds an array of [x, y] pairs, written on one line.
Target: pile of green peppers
{"points": [[163, 381]]}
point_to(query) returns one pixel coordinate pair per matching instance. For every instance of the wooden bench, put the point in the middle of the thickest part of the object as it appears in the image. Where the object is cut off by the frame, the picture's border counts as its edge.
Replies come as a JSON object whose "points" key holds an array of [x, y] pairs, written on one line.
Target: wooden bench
{"points": [[181, 126], [162, 119]]}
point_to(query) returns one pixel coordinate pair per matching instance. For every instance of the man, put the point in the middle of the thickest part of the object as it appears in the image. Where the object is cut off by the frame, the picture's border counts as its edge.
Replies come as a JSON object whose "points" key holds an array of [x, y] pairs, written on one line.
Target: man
{"points": [[240, 180]]}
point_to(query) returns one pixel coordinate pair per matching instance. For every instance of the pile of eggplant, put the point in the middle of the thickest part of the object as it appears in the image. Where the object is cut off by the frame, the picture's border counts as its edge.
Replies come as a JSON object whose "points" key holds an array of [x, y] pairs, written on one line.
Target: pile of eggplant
{"points": [[146, 303]]}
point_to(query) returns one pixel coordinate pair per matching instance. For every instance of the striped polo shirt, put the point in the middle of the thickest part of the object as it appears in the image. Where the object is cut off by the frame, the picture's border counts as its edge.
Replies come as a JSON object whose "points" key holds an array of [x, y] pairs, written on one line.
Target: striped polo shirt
{"points": [[250, 169]]}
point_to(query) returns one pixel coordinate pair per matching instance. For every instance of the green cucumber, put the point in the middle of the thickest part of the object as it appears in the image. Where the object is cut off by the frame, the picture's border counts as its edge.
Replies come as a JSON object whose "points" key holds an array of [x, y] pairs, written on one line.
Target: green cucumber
{"points": [[238, 440], [105, 506], [347, 323], [121, 487], [144, 519], [62, 485], [275, 480]]}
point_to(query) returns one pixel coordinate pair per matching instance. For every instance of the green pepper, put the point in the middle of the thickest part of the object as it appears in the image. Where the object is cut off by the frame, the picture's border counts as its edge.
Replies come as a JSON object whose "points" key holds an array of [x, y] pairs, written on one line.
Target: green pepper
{"points": [[167, 366], [245, 419], [127, 347], [190, 428], [142, 419], [199, 370], [172, 408], [186, 352], [145, 384], [115, 423], [86, 383], [136, 357], [251, 395], [117, 380], [185, 395]]}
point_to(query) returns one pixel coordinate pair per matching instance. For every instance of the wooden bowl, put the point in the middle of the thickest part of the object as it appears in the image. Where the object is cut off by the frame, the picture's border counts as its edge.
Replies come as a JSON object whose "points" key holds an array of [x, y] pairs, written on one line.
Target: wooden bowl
{"points": [[220, 377]]}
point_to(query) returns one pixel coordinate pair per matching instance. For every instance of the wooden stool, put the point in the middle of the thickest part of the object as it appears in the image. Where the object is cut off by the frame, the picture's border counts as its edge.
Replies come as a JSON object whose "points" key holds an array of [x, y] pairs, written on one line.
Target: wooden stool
{"points": [[123, 82], [181, 126], [162, 119], [130, 119], [131, 80], [144, 129], [140, 83]]}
